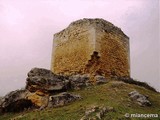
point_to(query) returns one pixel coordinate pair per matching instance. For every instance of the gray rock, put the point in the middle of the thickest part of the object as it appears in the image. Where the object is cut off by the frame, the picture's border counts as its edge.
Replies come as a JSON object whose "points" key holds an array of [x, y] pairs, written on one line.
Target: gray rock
{"points": [[79, 81], [40, 72], [44, 80], [15, 101], [100, 79], [96, 112], [142, 100], [62, 99], [46, 89]]}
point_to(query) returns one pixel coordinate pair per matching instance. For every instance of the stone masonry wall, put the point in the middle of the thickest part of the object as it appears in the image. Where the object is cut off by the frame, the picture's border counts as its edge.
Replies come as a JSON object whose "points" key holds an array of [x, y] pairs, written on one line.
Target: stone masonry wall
{"points": [[92, 46], [113, 49], [71, 51]]}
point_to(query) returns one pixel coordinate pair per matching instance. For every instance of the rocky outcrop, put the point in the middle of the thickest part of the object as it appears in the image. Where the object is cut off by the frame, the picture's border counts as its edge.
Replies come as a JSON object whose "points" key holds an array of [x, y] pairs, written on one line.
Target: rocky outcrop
{"points": [[45, 81], [42, 83], [46, 89], [142, 100], [62, 99], [43, 89], [15, 101]]}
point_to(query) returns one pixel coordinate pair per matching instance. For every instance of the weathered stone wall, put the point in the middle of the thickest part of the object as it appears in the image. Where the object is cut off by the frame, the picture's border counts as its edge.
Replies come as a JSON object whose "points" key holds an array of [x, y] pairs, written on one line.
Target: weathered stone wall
{"points": [[71, 50], [92, 46], [113, 49]]}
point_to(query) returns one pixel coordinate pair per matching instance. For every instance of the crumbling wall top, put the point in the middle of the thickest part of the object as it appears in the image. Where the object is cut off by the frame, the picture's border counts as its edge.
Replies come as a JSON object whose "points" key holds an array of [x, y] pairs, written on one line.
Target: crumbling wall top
{"points": [[98, 23]]}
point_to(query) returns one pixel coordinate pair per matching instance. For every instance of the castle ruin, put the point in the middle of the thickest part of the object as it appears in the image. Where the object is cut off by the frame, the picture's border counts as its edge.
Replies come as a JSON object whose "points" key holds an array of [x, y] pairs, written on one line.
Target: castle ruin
{"points": [[91, 46]]}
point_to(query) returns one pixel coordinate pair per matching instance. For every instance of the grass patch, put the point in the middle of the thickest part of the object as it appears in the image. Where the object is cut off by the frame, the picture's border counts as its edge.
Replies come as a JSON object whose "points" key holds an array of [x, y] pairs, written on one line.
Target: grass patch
{"points": [[112, 94], [139, 83]]}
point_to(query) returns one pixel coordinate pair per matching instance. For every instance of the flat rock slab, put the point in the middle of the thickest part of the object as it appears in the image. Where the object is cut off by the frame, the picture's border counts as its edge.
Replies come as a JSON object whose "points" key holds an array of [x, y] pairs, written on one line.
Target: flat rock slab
{"points": [[44, 80], [62, 99], [142, 100]]}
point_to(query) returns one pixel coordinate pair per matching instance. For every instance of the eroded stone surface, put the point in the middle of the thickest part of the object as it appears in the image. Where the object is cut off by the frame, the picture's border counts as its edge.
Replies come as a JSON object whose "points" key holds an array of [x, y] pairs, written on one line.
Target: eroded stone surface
{"points": [[79, 81], [62, 99], [44, 80], [39, 100], [91, 46], [41, 86], [15, 101], [100, 79], [142, 100], [45, 89]]}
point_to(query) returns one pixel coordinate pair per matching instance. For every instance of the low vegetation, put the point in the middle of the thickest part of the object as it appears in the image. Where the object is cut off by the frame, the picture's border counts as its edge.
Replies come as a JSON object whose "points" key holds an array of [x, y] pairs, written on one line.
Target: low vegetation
{"points": [[113, 94], [139, 83]]}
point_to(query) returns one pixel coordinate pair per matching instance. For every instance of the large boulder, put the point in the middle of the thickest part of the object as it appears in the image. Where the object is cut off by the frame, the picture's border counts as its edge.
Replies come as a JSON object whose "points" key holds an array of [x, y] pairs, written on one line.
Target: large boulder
{"points": [[19, 100], [44, 80], [40, 72], [46, 88], [15, 101], [62, 99]]}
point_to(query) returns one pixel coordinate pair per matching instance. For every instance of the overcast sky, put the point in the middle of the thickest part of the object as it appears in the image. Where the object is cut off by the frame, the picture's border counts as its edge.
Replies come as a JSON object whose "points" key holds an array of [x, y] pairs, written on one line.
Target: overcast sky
{"points": [[27, 28]]}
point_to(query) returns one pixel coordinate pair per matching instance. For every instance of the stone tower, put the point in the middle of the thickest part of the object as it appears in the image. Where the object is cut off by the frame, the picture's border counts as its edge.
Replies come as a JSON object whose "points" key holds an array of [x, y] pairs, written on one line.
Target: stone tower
{"points": [[93, 46]]}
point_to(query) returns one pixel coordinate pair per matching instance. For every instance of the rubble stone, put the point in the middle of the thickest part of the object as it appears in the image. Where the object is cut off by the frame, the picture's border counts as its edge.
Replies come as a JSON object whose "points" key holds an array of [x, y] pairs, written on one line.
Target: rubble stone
{"points": [[142, 100], [62, 99]]}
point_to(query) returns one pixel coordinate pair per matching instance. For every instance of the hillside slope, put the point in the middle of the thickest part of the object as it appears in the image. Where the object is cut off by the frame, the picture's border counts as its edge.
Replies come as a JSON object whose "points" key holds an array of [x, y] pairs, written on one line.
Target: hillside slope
{"points": [[113, 94]]}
